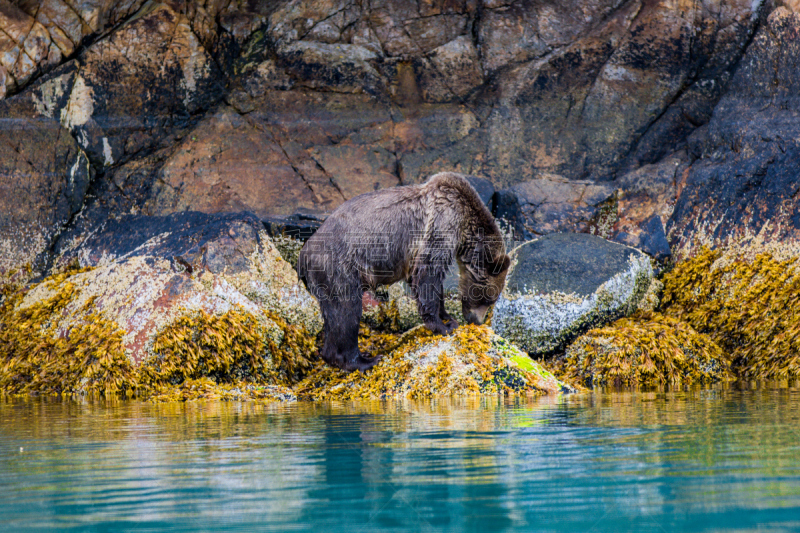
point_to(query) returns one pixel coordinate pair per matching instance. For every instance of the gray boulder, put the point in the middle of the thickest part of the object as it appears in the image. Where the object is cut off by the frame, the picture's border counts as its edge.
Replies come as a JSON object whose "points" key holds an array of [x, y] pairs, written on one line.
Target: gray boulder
{"points": [[563, 284]]}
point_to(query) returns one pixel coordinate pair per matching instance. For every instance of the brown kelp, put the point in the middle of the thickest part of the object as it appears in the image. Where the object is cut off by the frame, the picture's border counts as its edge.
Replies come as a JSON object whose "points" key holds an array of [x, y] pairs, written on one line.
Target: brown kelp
{"points": [[233, 347]]}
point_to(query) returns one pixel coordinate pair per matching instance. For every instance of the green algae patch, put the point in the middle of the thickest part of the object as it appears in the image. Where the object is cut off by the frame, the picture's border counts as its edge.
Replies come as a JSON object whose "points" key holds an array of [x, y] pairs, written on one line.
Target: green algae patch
{"points": [[644, 349], [747, 302], [36, 357], [235, 347], [418, 365]]}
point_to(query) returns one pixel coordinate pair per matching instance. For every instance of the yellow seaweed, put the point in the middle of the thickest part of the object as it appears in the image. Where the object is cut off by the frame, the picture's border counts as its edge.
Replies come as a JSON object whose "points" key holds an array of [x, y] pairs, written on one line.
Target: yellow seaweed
{"points": [[36, 358], [645, 349], [749, 304]]}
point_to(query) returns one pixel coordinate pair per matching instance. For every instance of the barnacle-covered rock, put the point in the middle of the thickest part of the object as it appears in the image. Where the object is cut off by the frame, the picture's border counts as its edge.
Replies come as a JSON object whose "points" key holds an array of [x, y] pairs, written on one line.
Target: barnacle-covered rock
{"points": [[561, 285], [418, 364], [747, 299], [645, 349]]}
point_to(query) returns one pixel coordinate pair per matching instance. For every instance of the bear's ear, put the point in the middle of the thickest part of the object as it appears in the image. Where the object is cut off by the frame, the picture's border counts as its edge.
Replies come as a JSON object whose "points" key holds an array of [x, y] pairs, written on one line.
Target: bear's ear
{"points": [[500, 266]]}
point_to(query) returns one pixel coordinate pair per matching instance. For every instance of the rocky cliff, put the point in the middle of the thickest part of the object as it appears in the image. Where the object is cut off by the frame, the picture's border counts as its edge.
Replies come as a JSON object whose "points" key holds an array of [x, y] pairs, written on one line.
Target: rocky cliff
{"points": [[661, 124]]}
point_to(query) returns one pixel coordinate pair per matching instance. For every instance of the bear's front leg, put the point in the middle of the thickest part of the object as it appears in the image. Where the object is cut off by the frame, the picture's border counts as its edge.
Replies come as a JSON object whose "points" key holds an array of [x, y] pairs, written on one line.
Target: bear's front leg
{"points": [[449, 322], [429, 293]]}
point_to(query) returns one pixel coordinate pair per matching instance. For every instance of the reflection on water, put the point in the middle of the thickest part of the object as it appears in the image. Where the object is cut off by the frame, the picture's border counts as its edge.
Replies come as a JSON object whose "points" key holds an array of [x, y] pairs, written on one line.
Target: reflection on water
{"points": [[709, 460]]}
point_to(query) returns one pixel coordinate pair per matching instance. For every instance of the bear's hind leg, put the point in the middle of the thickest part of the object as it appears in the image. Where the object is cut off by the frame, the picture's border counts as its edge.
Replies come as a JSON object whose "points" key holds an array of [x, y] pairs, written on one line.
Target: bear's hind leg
{"points": [[340, 347]]}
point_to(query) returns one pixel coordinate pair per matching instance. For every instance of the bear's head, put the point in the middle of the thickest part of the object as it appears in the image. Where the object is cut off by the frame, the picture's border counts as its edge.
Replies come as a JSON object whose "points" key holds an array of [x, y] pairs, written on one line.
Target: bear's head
{"points": [[483, 276]]}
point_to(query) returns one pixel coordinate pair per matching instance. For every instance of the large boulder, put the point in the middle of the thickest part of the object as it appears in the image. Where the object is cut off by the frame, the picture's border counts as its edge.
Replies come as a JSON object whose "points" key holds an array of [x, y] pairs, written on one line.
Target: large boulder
{"points": [[146, 272], [563, 284]]}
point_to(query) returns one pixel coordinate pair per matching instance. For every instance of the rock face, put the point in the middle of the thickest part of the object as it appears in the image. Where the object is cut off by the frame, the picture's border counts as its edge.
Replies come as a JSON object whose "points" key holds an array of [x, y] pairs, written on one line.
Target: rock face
{"points": [[275, 107], [645, 202], [745, 180], [44, 176], [148, 271], [563, 284], [553, 204], [37, 36]]}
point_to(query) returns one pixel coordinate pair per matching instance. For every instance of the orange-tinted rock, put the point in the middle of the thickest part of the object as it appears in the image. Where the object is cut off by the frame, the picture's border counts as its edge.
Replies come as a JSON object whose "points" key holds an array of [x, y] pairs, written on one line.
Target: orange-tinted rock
{"points": [[645, 202], [36, 35], [230, 164]]}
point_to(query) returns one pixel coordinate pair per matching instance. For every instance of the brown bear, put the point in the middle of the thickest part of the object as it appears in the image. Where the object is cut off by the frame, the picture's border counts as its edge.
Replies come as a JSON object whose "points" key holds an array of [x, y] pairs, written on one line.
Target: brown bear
{"points": [[410, 233]]}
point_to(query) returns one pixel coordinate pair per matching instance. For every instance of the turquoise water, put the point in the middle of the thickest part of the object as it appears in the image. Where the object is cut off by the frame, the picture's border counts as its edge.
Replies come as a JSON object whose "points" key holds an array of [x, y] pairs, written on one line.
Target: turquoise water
{"points": [[687, 461]]}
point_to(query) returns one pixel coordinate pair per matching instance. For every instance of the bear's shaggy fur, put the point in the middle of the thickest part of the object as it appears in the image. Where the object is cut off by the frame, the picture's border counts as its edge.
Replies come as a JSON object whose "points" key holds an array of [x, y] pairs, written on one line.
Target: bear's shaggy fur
{"points": [[410, 233]]}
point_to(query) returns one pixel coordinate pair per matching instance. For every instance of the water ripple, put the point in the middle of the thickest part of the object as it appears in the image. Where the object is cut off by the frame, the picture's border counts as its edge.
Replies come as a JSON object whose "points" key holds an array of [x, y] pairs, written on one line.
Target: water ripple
{"points": [[717, 460]]}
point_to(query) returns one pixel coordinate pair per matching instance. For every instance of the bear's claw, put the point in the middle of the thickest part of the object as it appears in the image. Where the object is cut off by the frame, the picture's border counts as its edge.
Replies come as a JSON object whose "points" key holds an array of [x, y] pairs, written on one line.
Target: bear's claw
{"points": [[361, 363]]}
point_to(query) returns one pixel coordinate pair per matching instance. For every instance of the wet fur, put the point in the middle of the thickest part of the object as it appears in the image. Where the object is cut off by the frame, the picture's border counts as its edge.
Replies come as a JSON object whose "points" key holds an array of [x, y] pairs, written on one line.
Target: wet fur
{"points": [[411, 233]]}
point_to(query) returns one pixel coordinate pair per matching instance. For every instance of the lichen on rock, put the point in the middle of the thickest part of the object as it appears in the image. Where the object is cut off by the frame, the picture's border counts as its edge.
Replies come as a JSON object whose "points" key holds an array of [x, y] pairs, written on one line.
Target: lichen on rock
{"points": [[645, 349], [418, 364]]}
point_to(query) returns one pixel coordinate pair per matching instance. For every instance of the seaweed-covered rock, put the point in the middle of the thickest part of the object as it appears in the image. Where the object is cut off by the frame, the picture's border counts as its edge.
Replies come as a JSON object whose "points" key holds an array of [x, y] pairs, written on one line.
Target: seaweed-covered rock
{"points": [[419, 364], [563, 284], [149, 271], [36, 356], [645, 349], [208, 389], [747, 299]]}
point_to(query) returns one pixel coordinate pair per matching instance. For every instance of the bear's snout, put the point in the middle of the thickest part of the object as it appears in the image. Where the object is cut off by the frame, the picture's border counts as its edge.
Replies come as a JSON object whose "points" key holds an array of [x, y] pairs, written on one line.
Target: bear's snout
{"points": [[476, 315]]}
